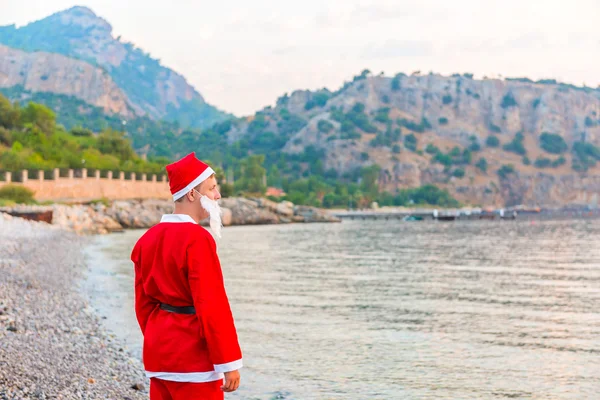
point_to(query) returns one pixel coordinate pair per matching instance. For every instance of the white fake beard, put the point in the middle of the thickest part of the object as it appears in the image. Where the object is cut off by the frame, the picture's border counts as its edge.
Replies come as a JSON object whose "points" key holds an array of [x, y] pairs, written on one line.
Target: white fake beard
{"points": [[214, 210]]}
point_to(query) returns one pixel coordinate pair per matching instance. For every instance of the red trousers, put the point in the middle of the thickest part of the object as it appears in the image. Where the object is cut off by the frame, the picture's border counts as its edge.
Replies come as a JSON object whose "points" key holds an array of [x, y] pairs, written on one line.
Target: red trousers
{"points": [[169, 390]]}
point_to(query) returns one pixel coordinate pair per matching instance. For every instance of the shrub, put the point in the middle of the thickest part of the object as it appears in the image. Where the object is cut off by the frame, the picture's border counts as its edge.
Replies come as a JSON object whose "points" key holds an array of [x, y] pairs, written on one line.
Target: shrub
{"points": [[6, 136], [458, 173], [7, 203], [443, 159], [558, 162], [317, 100], [428, 194], [585, 155], [474, 146], [482, 164], [542, 162], [382, 115], [516, 145], [358, 117], [553, 143], [443, 121], [290, 124], [79, 131], [396, 83], [447, 99], [505, 170], [16, 193], [495, 128], [508, 101], [432, 149], [351, 134], [466, 157], [387, 138], [324, 126], [410, 142], [413, 126], [589, 122], [492, 141], [526, 160], [425, 123], [396, 149]]}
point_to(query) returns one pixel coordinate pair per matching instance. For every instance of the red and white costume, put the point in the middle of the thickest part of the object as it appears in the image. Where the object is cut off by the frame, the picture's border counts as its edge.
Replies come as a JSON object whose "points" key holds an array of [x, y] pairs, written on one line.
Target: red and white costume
{"points": [[176, 263]]}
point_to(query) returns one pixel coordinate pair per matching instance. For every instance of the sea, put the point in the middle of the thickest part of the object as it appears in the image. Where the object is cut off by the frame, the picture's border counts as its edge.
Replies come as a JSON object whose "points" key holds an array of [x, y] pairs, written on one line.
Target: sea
{"points": [[396, 309]]}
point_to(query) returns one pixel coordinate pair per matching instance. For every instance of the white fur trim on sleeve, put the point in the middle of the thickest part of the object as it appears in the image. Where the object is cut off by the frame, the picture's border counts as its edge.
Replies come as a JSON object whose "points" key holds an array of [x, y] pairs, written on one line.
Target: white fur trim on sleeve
{"points": [[231, 366]]}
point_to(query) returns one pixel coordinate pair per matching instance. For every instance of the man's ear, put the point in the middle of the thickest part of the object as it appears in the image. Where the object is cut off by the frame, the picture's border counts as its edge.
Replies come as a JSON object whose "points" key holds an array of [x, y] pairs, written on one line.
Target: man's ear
{"points": [[190, 195]]}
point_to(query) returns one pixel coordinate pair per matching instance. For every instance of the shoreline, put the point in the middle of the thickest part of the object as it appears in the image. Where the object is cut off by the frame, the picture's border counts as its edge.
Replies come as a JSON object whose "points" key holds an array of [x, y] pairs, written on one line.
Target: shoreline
{"points": [[52, 343], [118, 215]]}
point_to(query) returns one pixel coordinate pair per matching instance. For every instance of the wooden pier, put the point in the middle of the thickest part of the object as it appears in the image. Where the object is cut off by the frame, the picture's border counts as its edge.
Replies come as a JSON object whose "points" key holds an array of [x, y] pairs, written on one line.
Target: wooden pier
{"points": [[451, 215]]}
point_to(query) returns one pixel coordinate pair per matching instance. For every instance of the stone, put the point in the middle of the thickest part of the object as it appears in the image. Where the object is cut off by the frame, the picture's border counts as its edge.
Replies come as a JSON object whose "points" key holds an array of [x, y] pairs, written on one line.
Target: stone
{"points": [[285, 208], [226, 216]]}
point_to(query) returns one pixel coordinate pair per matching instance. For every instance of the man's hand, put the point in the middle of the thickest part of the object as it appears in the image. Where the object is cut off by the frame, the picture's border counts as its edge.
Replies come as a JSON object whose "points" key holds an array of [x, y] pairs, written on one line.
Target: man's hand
{"points": [[232, 381]]}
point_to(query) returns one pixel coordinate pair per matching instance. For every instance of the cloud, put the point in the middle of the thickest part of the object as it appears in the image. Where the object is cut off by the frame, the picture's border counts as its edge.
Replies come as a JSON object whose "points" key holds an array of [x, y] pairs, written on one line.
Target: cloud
{"points": [[398, 48], [283, 51], [531, 40], [376, 13]]}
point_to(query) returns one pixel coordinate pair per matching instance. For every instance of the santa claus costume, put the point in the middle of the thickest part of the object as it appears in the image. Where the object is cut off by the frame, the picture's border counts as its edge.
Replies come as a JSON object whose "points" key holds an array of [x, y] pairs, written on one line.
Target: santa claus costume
{"points": [[180, 301]]}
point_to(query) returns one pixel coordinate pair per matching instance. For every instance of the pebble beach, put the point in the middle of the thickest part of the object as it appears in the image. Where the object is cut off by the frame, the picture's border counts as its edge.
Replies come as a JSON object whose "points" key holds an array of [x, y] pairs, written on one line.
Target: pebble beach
{"points": [[52, 344]]}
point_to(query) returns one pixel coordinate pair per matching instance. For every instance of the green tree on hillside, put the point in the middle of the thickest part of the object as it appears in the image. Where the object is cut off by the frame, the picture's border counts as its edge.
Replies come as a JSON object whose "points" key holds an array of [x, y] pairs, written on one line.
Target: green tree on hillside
{"points": [[31, 139], [251, 175], [516, 145], [492, 141], [115, 143], [40, 116], [10, 114], [482, 164], [553, 143]]}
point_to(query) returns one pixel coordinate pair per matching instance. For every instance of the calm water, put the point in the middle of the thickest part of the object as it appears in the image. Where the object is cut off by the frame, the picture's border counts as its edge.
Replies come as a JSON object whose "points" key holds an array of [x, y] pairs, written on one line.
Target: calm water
{"points": [[399, 310]]}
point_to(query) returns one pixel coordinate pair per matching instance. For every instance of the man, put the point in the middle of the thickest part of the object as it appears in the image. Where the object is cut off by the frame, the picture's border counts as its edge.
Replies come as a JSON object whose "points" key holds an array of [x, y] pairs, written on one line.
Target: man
{"points": [[190, 341]]}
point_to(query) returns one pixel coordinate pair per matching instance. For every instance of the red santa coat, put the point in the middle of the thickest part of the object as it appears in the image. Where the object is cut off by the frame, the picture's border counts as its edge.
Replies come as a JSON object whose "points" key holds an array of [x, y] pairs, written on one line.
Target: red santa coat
{"points": [[176, 263]]}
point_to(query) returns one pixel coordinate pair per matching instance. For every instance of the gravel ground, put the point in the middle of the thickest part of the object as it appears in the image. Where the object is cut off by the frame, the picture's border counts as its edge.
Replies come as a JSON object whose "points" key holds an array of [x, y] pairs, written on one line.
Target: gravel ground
{"points": [[52, 345]]}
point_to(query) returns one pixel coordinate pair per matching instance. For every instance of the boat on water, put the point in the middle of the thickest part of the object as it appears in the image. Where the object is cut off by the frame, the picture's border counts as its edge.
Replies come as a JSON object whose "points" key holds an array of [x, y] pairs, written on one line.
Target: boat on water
{"points": [[413, 218]]}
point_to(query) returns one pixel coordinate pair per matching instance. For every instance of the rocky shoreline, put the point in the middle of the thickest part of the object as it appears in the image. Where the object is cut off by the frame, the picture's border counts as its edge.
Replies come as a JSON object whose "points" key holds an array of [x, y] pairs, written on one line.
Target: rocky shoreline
{"points": [[100, 218], [52, 344]]}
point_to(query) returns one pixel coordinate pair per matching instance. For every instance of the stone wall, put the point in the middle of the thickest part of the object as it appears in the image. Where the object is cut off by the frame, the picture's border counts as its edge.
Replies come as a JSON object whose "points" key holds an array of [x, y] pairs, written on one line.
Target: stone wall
{"points": [[115, 186]]}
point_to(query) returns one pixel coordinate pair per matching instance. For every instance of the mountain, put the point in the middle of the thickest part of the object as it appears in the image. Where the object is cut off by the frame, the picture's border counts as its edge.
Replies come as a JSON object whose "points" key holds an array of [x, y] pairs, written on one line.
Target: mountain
{"points": [[90, 54], [488, 142], [54, 73]]}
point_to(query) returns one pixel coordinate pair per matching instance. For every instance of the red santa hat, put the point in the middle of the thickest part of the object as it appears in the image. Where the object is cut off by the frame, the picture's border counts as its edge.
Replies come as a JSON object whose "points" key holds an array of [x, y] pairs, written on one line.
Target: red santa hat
{"points": [[186, 174]]}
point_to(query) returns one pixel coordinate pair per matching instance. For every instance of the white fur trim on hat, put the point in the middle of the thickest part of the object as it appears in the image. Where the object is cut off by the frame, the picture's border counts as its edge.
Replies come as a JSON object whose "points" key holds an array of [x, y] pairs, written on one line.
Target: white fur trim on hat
{"points": [[201, 178]]}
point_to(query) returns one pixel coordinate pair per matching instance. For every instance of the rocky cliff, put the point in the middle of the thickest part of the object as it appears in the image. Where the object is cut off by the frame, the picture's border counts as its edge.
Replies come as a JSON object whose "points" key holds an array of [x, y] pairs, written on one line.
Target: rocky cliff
{"points": [[490, 142], [78, 33], [50, 72]]}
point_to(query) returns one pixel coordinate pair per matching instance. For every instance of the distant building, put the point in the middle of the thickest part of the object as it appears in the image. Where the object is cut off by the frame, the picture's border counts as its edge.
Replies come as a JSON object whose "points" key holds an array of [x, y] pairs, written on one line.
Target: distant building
{"points": [[274, 192]]}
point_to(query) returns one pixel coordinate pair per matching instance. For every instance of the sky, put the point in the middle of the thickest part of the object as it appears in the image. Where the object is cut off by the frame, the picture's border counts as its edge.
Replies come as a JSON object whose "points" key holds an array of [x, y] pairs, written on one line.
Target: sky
{"points": [[242, 55]]}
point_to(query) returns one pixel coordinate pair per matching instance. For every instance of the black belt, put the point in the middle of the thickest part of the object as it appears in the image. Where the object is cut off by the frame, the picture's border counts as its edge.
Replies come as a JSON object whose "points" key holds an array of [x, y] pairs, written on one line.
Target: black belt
{"points": [[178, 310]]}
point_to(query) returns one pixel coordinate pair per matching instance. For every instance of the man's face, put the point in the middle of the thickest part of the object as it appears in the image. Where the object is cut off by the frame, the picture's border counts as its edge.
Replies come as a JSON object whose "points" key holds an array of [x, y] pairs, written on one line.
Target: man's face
{"points": [[209, 188]]}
